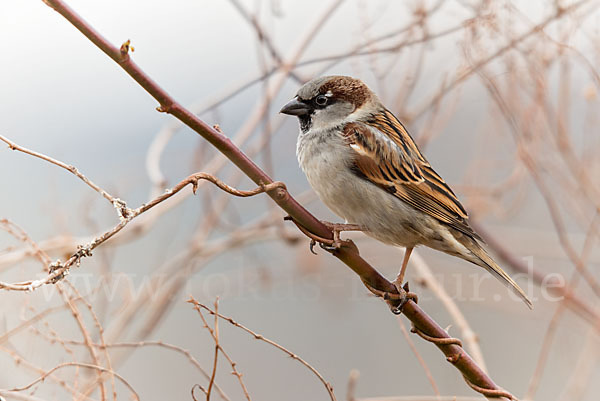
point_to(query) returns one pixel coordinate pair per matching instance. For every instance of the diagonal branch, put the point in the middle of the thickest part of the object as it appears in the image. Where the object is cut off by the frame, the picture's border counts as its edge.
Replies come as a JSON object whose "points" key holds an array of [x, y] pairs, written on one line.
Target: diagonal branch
{"points": [[347, 253]]}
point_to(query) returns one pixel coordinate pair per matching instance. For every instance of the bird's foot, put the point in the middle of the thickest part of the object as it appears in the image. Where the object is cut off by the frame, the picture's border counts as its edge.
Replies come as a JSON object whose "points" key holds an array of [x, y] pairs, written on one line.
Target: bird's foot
{"points": [[404, 296], [337, 228], [395, 301], [327, 244]]}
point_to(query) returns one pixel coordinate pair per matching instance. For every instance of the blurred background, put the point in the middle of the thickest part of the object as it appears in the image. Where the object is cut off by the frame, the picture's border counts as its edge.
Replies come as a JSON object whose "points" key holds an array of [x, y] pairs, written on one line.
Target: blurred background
{"points": [[502, 97]]}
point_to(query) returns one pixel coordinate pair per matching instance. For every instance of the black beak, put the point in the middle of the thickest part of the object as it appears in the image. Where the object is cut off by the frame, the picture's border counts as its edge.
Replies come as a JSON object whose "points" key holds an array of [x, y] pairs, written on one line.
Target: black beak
{"points": [[295, 108]]}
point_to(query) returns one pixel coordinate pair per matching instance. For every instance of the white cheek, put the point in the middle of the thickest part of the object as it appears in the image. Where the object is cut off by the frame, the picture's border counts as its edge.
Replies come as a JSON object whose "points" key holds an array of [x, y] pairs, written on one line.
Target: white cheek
{"points": [[332, 116], [321, 120]]}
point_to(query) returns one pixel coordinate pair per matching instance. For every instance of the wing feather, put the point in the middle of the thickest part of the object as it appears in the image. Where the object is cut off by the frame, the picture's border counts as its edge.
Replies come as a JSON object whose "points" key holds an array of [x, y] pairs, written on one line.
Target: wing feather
{"points": [[386, 155]]}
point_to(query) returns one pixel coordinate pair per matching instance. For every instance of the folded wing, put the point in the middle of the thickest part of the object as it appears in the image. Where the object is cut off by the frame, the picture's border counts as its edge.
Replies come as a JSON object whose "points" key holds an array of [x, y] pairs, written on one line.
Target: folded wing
{"points": [[386, 155]]}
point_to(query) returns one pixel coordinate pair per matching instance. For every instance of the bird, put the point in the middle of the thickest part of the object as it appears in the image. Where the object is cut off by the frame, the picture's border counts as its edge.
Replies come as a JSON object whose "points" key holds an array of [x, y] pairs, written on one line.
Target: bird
{"points": [[364, 165]]}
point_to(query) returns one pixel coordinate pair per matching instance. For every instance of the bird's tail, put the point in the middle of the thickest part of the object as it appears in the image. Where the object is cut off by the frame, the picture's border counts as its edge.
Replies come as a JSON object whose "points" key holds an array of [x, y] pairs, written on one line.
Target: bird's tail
{"points": [[481, 258]]}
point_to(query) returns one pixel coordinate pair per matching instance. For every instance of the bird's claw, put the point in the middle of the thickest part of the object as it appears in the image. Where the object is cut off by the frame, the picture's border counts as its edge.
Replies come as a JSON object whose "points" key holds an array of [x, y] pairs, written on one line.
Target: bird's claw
{"points": [[404, 296], [395, 300], [312, 246], [334, 246]]}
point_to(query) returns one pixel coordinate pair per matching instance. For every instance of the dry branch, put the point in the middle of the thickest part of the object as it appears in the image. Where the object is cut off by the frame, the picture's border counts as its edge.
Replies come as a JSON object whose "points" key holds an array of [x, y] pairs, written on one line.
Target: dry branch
{"points": [[116, 202], [82, 365], [198, 306], [218, 348], [58, 270], [159, 344]]}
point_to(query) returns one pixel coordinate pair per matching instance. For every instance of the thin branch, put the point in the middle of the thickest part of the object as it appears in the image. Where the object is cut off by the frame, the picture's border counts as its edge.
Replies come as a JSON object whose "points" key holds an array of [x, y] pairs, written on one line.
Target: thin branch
{"points": [[21, 361], [82, 365], [422, 362], [30, 322], [235, 372], [475, 67], [116, 202], [160, 344], [468, 335], [264, 38], [198, 306], [58, 270], [217, 346]]}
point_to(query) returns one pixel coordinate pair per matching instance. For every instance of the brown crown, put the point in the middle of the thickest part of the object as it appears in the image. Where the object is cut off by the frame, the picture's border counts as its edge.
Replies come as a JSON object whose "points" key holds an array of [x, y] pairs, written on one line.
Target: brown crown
{"points": [[347, 88]]}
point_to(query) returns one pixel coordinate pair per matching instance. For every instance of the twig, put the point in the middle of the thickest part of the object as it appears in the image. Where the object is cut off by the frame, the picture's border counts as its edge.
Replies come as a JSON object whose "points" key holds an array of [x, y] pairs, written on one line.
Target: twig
{"points": [[217, 346], [411, 344], [116, 202], [160, 344], [263, 37], [19, 396], [198, 306], [29, 322], [475, 67], [20, 361], [87, 339], [58, 270], [82, 365], [192, 391], [468, 335], [45, 261], [235, 372], [100, 336]]}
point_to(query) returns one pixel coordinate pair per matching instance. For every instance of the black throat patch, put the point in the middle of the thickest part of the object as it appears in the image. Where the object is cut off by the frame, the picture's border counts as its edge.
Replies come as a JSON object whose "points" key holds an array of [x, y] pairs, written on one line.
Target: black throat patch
{"points": [[305, 122]]}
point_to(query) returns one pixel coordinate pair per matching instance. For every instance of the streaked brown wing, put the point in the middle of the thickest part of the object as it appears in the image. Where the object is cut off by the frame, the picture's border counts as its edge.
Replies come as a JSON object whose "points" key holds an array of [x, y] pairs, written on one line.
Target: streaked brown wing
{"points": [[387, 156]]}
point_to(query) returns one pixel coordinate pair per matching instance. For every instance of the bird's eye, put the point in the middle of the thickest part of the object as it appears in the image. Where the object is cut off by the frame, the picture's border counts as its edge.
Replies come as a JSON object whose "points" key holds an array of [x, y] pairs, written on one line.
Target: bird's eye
{"points": [[321, 100]]}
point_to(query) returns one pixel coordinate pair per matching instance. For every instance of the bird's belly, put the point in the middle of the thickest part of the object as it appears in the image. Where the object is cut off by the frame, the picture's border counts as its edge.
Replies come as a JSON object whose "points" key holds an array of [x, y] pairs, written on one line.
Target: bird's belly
{"points": [[358, 201]]}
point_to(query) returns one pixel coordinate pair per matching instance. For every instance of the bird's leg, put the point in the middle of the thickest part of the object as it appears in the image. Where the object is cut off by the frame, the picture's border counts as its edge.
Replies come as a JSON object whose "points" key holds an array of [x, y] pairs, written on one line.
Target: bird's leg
{"points": [[403, 290], [400, 279], [337, 228]]}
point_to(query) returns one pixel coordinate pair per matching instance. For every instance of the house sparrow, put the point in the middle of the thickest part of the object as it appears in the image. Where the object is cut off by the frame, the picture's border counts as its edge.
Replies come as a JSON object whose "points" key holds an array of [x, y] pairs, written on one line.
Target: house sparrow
{"points": [[363, 164]]}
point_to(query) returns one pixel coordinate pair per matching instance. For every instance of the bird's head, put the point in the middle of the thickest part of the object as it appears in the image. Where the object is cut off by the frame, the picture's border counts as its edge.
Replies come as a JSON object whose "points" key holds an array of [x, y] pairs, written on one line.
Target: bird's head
{"points": [[330, 101]]}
